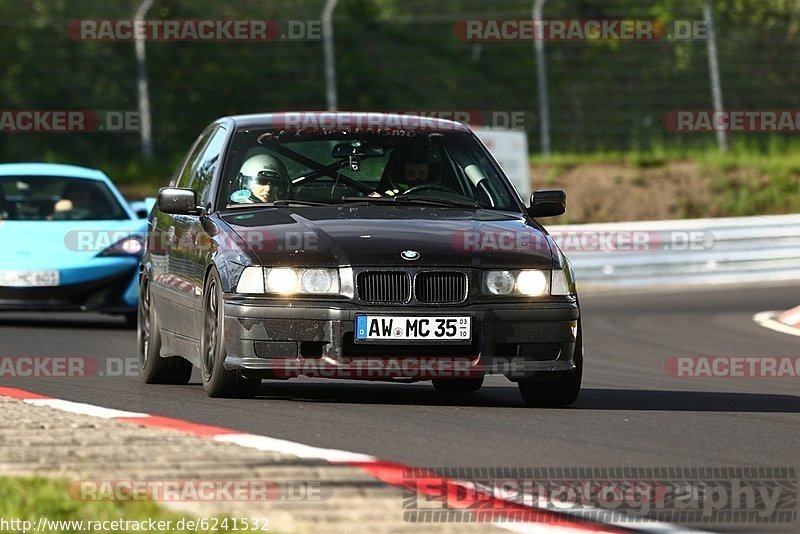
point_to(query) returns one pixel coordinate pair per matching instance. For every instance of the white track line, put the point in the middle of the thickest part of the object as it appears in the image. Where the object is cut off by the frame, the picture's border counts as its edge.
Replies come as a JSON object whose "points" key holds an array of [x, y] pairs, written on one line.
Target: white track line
{"points": [[767, 319], [266, 443], [84, 409], [595, 515], [535, 528]]}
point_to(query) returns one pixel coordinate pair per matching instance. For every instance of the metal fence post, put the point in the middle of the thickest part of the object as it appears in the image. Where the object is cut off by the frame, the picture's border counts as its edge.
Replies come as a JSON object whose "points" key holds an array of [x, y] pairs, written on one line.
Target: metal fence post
{"points": [[713, 67], [330, 60], [145, 130], [541, 78]]}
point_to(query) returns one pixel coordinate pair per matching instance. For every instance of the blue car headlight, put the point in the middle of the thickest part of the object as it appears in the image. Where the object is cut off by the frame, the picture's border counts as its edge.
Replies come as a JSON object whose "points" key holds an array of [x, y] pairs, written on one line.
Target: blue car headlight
{"points": [[132, 245]]}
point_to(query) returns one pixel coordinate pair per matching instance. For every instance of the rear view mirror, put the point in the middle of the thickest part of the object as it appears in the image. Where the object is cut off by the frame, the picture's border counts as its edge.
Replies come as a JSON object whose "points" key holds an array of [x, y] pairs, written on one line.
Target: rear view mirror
{"points": [[178, 201], [358, 149], [548, 203]]}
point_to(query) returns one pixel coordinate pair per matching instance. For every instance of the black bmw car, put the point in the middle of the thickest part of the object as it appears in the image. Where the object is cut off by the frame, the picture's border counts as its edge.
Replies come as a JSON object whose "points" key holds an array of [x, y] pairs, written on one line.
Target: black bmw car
{"points": [[354, 245]]}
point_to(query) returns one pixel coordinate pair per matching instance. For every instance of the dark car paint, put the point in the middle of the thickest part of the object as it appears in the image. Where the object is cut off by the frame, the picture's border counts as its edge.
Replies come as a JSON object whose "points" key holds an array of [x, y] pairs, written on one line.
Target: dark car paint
{"points": [[376, 235]]}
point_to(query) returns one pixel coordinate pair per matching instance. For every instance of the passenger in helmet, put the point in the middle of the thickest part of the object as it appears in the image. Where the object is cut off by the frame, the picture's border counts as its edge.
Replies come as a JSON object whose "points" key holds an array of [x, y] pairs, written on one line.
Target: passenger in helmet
{"points": [[262, 178]]}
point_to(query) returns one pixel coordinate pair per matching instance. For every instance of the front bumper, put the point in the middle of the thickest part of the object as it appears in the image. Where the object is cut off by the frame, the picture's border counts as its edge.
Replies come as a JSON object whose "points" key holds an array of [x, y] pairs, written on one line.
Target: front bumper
{"points": [[110, 288], [284, 340]]}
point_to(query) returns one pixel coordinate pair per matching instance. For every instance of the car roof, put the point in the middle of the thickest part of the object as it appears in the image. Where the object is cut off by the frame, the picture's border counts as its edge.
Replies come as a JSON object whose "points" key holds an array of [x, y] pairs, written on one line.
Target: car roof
{"points": [[51, 169], [313, 119]]}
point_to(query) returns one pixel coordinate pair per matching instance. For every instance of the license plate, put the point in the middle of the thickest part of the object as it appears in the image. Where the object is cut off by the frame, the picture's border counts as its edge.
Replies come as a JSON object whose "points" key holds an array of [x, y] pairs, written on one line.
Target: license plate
{"points": [[392, 328], [29, 278]]}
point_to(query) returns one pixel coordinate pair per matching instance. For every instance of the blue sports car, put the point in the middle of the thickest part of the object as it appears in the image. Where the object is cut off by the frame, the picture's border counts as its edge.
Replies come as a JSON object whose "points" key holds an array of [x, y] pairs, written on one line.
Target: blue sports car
{"points": [[68, 241]]}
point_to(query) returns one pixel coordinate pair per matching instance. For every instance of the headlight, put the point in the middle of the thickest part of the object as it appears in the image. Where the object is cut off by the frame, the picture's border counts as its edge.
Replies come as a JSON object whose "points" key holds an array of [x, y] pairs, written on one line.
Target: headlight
{"points": [[526, 283], [532, 283], [499, 282], [317, 281], [281, 280], [127, 246], [288, 280]]}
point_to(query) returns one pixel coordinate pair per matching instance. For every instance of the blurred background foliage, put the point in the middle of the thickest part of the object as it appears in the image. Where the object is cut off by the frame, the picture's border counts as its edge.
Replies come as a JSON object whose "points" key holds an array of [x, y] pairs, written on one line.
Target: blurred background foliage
{"points": [[605, 97]]}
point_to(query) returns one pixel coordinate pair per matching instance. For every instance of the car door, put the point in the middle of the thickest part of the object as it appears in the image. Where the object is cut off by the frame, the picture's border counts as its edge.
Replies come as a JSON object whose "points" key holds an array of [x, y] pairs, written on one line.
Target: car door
{"points": [[168, 253], [192, 268]]}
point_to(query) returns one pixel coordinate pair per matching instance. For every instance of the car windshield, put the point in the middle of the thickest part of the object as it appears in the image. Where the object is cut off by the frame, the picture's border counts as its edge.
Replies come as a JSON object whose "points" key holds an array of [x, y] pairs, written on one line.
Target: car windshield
{"points": [[447, 169], [51, 198]]}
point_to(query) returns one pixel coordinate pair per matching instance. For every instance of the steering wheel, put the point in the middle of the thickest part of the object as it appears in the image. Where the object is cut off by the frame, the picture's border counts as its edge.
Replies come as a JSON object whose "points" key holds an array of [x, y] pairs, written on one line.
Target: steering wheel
{"points": [[427, 187]]}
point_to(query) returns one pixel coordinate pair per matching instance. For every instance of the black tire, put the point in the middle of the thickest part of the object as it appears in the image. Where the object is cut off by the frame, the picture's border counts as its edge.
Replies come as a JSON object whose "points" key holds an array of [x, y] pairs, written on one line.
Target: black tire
{"points": [[457, 385], [561, 392], [218, 381], [131, 319], [153, 369]]}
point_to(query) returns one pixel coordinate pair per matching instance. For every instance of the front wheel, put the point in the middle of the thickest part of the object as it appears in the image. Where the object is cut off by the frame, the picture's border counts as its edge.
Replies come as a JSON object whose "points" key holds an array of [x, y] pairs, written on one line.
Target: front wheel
{"points": [[153, 369], [218, 381], [561, 392]]}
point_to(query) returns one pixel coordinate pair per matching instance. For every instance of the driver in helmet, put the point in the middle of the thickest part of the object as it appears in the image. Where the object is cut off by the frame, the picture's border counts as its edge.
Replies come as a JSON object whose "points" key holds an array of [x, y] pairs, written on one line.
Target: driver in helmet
{"points": [[408, 167], [262, 178]]}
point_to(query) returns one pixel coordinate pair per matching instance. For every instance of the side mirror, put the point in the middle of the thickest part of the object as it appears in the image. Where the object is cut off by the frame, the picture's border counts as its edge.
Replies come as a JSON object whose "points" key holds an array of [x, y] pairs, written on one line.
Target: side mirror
{"points": [[548, 203], [178, 201]]}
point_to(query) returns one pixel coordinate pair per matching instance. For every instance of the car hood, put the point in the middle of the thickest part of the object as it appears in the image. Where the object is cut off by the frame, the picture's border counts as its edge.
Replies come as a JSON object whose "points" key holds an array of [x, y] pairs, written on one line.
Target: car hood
{"points": [[377, 235], [59, 244]]}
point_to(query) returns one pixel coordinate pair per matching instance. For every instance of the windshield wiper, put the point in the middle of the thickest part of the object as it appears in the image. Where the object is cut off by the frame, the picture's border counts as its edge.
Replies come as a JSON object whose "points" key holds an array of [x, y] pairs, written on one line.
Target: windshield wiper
{"points": [[277, 204], [368, 200], [406, 199], [403, 199]]}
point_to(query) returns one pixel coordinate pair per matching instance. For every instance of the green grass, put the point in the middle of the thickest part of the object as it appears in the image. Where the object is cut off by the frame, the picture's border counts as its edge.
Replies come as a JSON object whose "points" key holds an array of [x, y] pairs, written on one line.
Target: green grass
{"points": [[749, 179], [32, 498]]}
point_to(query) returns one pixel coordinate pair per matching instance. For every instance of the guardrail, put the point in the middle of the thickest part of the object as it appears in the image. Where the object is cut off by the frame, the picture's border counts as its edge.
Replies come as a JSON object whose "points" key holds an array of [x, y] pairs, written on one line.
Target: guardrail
{"points": [[692, 251]]}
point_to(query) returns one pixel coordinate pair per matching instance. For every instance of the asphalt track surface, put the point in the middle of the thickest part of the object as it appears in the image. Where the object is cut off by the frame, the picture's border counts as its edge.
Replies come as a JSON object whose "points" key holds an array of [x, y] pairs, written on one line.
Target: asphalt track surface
{"points": [[630, 413]]}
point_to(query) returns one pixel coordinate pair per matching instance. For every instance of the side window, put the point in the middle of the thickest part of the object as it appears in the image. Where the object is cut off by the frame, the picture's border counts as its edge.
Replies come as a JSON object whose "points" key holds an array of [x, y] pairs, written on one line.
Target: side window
{"points": [[183, 177], [206, 166]]}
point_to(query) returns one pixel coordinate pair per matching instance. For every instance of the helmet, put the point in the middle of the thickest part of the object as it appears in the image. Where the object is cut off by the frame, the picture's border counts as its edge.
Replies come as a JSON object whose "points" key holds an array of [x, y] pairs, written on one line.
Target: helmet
{"points": [[264, 169], [411, 155]]}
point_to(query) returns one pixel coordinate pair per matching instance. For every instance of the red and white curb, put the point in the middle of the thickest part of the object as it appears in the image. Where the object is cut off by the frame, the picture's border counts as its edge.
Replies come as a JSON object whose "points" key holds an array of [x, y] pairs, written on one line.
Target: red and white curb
{"points": [[536, 519], [791, 317], [787, 322]]}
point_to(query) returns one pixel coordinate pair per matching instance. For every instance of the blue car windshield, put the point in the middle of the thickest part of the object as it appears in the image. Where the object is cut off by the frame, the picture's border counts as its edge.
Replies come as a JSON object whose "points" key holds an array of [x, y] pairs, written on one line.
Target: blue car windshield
{"points": [[52, 198]]}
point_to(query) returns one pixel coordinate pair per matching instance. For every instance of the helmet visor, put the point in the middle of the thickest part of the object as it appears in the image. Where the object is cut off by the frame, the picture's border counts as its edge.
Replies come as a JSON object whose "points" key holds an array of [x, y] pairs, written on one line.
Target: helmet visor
{"points": [[266, 177]]}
